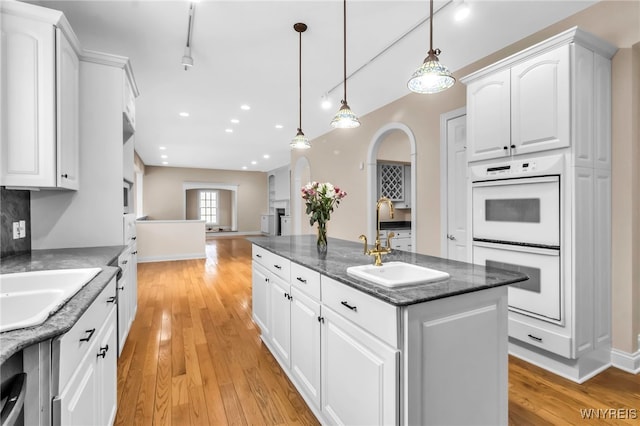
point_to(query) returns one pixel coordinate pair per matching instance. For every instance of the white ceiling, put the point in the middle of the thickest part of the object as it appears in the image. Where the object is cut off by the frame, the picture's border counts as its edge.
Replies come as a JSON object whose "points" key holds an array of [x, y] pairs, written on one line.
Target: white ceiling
{"points": [[246, 52]]}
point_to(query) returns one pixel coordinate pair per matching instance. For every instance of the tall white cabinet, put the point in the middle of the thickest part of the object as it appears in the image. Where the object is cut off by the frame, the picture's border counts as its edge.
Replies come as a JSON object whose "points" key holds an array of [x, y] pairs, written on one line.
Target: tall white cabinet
{"points": [[39, 97], [555, 98]]}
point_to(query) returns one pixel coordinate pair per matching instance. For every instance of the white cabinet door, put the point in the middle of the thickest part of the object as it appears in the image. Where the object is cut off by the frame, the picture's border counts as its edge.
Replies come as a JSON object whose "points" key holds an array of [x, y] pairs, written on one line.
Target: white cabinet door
{"points": [[123, 302], [359, 375], [28, 102], [106, 366], [78, 404], [280, 319], [68, 107], [540, 102], [40, 112], [305, 344], [488, 117], [261, 297]]}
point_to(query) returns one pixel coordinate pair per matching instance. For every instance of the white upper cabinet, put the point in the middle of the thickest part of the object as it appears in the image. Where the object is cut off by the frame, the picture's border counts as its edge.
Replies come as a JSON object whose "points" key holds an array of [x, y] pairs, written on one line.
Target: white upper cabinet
{"points": [[540, 113], [40, 90], [540, 99], [489, 116]]}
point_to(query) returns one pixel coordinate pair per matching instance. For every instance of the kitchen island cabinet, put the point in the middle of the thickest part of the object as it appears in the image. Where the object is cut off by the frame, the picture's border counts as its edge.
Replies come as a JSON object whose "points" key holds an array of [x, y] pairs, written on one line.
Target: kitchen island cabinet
{"points": [[360, 353]]}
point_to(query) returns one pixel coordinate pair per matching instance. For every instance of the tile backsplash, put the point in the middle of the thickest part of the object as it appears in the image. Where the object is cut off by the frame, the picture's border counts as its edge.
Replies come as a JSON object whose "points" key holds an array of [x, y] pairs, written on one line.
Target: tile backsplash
{"points": [[14, 206]]}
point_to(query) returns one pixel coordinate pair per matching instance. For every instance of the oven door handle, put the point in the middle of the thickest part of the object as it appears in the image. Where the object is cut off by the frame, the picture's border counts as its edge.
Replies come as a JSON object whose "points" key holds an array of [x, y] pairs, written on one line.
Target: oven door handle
{"points": [[14, 391], [549, 251], [499, 181]]}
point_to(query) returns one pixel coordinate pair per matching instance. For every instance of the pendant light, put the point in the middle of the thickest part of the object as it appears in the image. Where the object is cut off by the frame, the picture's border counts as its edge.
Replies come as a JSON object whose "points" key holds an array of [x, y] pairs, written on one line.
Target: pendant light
{"points": [[432, 76], [345, 118], [300, 141]]}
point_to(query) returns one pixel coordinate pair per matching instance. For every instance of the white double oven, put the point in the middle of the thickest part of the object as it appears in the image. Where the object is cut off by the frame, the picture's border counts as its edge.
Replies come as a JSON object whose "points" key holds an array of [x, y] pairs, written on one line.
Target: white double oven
{"points": [[516, 221]]}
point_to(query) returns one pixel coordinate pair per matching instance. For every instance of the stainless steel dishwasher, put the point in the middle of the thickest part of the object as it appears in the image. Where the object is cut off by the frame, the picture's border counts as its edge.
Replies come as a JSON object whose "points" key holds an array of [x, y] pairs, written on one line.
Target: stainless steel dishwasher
{"points": [[13, 385]]}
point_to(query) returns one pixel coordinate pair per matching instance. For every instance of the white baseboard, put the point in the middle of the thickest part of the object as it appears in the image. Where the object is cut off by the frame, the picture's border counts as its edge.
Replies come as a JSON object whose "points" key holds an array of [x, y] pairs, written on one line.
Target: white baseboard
{"points": [[170, 257], [625, 361]]}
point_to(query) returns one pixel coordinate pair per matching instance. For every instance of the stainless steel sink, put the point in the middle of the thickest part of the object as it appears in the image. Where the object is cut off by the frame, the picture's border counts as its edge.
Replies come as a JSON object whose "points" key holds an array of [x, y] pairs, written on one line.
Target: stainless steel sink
{"points": [[396, 274], [29, 298]]}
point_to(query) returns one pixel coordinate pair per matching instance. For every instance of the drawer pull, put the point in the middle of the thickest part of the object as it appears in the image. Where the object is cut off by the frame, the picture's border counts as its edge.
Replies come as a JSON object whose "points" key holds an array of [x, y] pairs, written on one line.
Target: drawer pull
{"points": [[120, 288], [134, 238], [111, 299], [86, 339], [302, 280], [124, 262], [277, 266], [347, 305], [259, 256], [320, 319], [103, 351], [537, 339]]}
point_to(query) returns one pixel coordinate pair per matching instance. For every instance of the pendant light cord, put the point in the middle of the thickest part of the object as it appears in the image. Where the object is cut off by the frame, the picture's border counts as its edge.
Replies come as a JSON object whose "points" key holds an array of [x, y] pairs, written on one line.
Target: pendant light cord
{"points": [[300, 81], [431, 27], [344, 50]]}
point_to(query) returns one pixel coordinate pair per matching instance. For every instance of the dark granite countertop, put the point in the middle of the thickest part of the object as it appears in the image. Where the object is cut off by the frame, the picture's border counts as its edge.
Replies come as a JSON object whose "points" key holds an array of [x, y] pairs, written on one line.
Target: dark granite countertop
{"points": [[465, 277], [61, 321]]}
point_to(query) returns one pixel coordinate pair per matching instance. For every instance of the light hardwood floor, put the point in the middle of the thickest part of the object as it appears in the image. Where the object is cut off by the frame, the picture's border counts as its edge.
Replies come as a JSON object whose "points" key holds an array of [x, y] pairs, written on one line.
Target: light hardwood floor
{"points": [[194, 356]]}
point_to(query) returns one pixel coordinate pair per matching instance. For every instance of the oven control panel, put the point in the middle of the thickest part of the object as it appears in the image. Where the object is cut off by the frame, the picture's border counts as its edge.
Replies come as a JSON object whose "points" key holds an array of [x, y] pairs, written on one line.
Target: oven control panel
{"points": [[519, 168], [511, 168]]}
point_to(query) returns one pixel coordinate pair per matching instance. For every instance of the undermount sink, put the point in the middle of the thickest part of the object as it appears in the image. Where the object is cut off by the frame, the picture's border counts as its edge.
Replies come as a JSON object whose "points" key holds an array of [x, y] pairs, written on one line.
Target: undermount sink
{"points": [[396, 274], [29, 298]]}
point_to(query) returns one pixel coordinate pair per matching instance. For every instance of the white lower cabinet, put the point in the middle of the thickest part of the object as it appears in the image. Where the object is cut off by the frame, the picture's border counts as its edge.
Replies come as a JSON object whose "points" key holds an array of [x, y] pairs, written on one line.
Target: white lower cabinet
{"points": [[280, 319], [305, 344], [261, 298], [85, 360], [359, 375]]}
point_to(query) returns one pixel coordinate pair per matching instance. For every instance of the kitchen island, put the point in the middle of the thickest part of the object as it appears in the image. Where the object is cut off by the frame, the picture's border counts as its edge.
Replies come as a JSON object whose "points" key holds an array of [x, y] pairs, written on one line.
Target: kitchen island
{"points": [[361, 353]]}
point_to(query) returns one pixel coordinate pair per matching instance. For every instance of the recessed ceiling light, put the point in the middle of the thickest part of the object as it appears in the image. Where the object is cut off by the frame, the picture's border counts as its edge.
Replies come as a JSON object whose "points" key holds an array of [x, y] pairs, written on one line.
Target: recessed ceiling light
{"points": [[164, 156], [228, 130], [462, 11], [235, 120], [244, 167], [245, 107], [254, 162], [265, 156], [162, 148], [183, 114], [165, 162], [279, 126]]}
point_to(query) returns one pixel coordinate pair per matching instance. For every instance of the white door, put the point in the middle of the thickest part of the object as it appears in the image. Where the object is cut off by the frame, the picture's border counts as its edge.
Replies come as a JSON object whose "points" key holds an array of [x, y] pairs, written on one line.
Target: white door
{"points": [[280, 321], [78, 405], [457, 189], [305, 344], [359, 382], [106, 362]]}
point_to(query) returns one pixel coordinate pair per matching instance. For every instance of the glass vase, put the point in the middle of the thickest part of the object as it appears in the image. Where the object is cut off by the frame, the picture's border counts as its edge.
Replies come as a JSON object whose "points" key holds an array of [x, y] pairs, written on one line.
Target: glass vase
{"points": [[321, 243]]}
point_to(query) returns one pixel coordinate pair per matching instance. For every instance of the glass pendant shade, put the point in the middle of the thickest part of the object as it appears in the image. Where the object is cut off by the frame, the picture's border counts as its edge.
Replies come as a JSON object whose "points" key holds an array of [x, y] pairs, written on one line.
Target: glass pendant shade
{"points": [[300, 141], [431, 77], [345, 118]]}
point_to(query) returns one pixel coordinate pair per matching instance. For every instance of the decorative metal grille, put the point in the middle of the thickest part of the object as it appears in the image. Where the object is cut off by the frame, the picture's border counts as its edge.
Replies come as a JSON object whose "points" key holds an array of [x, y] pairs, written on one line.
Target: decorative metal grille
{"points": [[391, 178]]}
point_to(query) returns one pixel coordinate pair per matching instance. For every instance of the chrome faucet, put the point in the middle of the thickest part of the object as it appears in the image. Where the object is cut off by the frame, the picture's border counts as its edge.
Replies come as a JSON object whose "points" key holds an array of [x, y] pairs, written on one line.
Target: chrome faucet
{"points": [[378, 250]]}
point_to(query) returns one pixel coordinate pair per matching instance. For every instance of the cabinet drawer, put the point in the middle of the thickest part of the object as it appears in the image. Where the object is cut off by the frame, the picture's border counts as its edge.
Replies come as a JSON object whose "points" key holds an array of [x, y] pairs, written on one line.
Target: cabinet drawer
{"points": [[76, 342], [375, 316], [279, 266], [545, 339], [306, 280], [401, 233], [260, 255]]}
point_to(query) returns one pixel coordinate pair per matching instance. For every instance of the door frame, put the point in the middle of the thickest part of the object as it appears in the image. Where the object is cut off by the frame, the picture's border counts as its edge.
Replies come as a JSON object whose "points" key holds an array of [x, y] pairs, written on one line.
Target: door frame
{"points": [[372, 176], [444, 184]]}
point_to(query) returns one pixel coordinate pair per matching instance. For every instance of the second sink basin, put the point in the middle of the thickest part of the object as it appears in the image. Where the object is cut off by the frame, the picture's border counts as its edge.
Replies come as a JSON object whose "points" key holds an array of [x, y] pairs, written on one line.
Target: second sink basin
{"points": [[28, 298], [396, 274]]}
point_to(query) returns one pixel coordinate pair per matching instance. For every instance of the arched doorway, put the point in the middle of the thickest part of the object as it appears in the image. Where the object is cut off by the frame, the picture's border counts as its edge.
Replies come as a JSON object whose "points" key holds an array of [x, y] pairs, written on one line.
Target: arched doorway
{"points": [[372, 162]]}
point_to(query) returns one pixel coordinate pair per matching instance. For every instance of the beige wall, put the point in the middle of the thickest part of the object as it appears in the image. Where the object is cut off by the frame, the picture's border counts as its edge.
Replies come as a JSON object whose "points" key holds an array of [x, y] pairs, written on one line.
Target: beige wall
{"points": [[163, 192], [336, 156]]}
